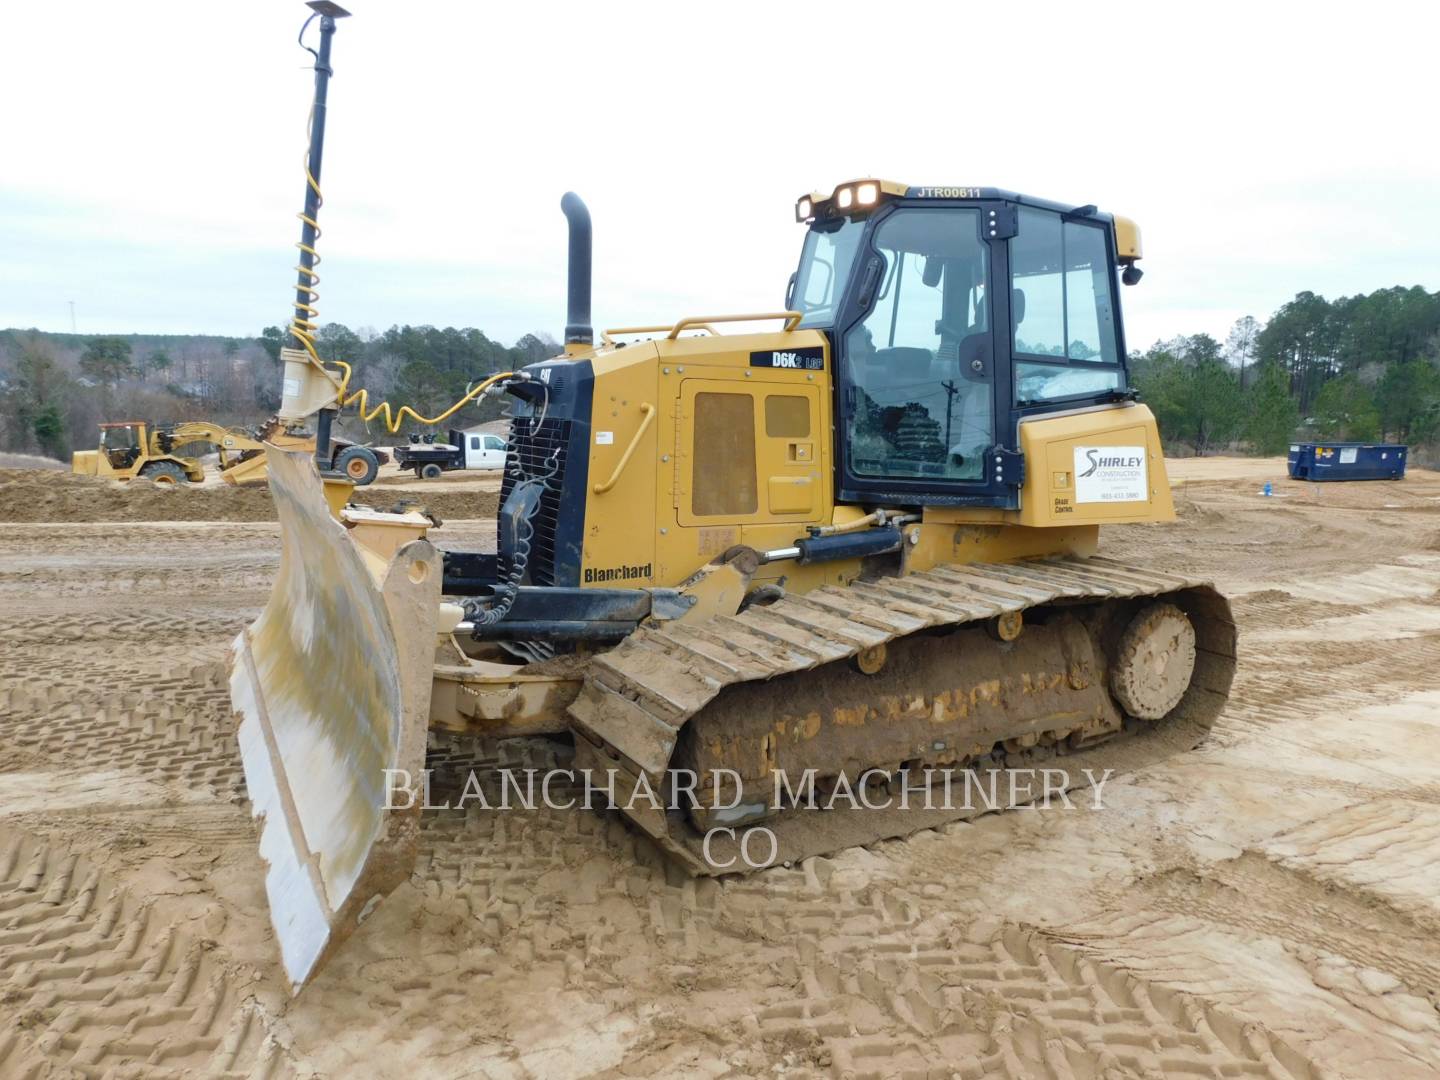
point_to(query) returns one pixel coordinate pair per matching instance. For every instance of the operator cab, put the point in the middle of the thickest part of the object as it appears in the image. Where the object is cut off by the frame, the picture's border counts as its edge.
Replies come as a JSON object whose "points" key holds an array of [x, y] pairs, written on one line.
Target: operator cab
{"points": [[121, 444], [953, 314]]}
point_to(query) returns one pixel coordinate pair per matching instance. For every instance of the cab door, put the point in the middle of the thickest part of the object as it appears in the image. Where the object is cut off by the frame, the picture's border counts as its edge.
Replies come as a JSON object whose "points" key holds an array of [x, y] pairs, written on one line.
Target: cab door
{"points": [[748, 452], [924, 393]]}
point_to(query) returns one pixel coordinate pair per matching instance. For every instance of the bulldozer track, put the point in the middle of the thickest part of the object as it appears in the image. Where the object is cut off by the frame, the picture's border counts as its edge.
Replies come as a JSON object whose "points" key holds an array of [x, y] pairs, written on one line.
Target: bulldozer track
{"points": [[95, 983], [639, 695]]}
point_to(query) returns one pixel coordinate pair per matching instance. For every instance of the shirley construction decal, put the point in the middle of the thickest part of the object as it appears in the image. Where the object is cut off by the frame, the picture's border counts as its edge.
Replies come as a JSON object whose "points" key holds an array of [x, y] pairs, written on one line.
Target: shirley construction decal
{"points": [[1110, 474]]}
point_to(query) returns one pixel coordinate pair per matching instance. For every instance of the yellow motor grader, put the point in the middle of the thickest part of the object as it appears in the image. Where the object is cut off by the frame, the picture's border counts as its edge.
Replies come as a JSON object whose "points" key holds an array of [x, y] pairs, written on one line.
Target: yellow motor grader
{"points": [[855, 547]]}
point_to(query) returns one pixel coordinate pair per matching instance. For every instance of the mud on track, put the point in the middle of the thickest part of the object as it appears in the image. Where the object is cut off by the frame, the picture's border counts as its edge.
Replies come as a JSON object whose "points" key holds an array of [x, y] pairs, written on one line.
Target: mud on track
{"points": [[1264, 906]]}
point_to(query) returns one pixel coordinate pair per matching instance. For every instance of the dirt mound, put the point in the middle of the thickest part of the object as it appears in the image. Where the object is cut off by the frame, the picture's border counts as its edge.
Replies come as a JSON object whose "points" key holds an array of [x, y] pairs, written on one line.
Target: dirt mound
{"points": [[32, 495]]}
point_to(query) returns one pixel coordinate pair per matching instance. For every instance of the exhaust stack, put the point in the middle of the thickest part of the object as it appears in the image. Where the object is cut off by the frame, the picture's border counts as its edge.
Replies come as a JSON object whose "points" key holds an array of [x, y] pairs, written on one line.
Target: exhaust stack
{"points": [[577, 312]]}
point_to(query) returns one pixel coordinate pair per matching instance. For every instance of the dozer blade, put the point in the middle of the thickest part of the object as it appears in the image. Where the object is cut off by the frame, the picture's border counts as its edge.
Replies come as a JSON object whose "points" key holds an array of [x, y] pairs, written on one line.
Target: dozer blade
{"points": [[332, 688], [250, 471]]}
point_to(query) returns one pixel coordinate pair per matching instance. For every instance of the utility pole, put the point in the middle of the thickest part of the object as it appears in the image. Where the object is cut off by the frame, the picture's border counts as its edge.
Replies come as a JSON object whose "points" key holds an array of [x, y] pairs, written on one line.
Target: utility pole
{"points": [[73, 328], [950, 391]]}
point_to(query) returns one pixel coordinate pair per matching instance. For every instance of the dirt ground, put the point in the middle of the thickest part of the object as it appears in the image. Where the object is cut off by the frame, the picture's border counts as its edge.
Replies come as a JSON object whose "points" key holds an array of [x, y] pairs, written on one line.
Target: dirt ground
{"points": [[1183, 470], [1267, 905], [36, 495]]}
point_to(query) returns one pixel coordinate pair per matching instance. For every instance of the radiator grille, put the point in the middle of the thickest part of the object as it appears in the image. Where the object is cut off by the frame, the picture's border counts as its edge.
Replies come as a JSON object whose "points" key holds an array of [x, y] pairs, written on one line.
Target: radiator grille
{"points": [[537, 451]]}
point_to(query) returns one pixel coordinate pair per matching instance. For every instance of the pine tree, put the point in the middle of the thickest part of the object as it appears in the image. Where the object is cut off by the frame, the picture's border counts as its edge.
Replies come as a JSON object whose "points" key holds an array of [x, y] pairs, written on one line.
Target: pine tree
{"points": [[1272, 414]]}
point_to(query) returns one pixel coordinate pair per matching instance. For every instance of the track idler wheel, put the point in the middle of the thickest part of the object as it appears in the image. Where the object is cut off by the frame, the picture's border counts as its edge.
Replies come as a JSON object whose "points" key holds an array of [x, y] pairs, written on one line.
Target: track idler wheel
{"points": [[1006, 627], [871, 661], [1154, 662]]}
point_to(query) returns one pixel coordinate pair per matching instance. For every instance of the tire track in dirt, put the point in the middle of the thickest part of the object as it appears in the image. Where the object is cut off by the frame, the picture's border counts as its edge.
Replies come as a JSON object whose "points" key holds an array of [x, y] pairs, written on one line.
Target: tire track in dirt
{"points": [[99, 984], [138, 585], [837, 980], [1262, 895], [150, 634], [1356, 1018], [1020, 1003], [172, 725]]}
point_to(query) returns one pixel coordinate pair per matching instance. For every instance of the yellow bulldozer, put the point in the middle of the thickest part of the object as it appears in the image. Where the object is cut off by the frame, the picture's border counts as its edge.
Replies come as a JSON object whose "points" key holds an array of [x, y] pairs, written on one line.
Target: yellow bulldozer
{"points": [[851, 552], [131, 448]]}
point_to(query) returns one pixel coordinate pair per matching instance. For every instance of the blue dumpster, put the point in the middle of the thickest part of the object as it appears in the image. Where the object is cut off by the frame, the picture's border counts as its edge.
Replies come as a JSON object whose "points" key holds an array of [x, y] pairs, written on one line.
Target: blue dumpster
{"points": [[1347, 461]]}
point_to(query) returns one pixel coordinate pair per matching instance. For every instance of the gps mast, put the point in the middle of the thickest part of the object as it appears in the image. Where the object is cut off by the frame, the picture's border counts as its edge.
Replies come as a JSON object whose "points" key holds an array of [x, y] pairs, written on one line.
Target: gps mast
{"points": [[309, 389]]}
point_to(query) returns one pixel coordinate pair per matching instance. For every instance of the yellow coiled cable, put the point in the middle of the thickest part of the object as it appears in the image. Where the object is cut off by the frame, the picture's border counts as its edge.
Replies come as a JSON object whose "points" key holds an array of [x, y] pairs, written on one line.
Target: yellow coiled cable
{"points": [[397, 418], [303, 328], [302, 324]]}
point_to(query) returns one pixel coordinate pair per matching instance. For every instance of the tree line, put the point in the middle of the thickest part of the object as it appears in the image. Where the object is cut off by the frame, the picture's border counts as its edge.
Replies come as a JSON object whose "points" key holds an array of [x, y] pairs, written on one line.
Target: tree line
{"points": [[55, 389], [1361, 368], [1358, 368]]}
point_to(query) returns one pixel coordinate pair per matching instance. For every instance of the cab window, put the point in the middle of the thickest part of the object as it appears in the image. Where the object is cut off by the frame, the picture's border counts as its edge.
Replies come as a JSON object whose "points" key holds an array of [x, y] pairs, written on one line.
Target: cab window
{"points": [[922, 360], [825, 263], [1062, 310]]}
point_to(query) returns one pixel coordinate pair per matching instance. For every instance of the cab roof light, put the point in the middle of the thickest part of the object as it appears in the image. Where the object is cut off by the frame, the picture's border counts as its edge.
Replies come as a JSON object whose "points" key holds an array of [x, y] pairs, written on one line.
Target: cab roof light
{"points": [[853, 196]]}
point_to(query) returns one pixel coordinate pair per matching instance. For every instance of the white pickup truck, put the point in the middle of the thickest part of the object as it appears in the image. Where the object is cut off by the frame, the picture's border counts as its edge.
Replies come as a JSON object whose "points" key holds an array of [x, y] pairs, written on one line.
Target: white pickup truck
{"points": [[463, 450]]}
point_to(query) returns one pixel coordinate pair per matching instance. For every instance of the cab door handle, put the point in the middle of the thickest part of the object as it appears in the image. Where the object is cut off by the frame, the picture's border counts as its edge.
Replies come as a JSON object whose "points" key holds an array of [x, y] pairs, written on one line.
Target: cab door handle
{"points": [[869, 281]]}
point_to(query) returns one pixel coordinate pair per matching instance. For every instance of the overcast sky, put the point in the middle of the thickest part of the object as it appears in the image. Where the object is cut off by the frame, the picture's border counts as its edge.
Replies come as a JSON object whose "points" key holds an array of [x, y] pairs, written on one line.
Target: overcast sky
{"points": [[152, 151]]}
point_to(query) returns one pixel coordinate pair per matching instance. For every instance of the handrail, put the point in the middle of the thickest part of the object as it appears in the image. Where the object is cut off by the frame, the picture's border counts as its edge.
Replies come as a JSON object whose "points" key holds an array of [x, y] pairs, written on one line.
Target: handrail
{"points": [[792, 320], [649, 412], [702, 322], [608, 340]]}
